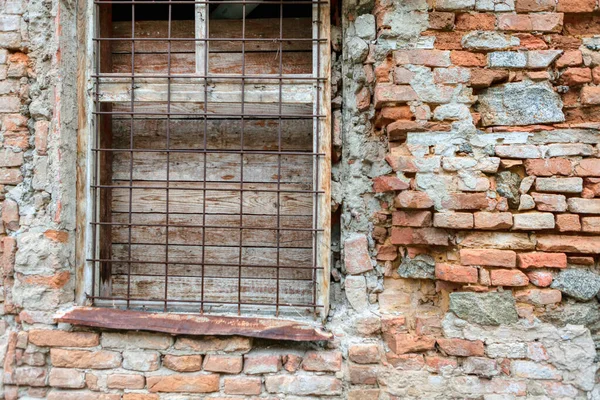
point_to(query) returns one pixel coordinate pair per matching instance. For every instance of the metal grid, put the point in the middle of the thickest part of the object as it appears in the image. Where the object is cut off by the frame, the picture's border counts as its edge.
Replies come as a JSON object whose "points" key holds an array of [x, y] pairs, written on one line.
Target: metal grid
{"points": [[150, 271]]}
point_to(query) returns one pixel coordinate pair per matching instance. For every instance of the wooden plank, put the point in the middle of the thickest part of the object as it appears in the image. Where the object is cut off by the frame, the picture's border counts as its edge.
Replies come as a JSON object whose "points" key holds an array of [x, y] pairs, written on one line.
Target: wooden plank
{"points": [[119, 90], [190, 324], [150, 233], [214, 110], [201, 32], [266, 28], [219, 63], [296, 134]]}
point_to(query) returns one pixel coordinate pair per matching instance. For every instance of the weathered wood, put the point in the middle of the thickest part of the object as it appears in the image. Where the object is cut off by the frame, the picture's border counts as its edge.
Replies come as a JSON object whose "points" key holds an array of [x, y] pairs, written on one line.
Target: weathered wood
{"points": [[218, 63], [187, 90], [190, 324], [264, 28], [225, 134]]}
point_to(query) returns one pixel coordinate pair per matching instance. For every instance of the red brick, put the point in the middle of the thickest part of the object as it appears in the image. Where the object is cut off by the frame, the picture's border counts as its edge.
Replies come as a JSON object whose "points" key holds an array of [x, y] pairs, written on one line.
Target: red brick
{"points": [[403, 76], [508, 277], [10, 214], [30, 376], [550, 202], [53, 338], [547, 22], [303, 385], [387, 252], [386, 94], [441, 20], [569, 244], [590, 95], [488, 257], [453, 220], [403, 343], [205, 383], [126, 381], [429, 58], [548, 166], [468, 59], [534, 5], [405, 362], [455, 273], [243, 385], [413, 199], [446, 40], [428, 324], [596, 75], [588, 167], [260, 363], [77, 395], [570, 58], [493, 221], [139, 396], [388, 184], [475, 21], [66, 378], [412, 218], [356, 255], [465, 201], [461, 347], [322, 361], [576, 6], [191, 363], [542, 260], [228, 364], [590, 224], [439, 364], [576, 76], [101, 359], [387, 115], [568, 223], [393, 324], [419, 236], [579, 260], [364, 353], [363, 99], [540, 278], [538, 297], [291, 362], [363, 374]]}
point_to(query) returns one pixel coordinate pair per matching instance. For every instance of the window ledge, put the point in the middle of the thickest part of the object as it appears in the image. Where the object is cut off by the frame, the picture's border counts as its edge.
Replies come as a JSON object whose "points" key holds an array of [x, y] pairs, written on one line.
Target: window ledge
{"points": [[193, 324]]}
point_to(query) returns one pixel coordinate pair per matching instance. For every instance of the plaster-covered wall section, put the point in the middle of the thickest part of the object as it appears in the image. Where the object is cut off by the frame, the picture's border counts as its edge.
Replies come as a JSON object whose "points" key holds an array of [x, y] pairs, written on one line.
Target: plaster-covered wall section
{"points": [[466, 190]]}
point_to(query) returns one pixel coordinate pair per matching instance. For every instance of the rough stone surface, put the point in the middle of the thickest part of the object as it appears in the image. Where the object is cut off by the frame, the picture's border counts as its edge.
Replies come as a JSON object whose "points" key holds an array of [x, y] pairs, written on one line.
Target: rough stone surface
{"points": [[484, 308], [420, 267], [580, 284], [520, 103]]}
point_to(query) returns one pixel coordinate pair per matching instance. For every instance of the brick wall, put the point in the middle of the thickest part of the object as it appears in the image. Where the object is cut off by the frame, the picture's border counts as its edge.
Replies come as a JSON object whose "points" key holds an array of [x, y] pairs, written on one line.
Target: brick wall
{"points": [[466, 191]]}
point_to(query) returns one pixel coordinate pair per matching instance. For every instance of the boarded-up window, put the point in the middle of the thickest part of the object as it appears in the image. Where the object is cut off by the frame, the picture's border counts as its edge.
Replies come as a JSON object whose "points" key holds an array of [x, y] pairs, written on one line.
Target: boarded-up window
{"points": [[211, 155]]}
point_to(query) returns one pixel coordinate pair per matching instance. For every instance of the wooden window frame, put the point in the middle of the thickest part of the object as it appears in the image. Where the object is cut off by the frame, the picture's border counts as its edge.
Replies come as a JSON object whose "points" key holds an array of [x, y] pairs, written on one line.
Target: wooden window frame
{"points": [[87, 24]]}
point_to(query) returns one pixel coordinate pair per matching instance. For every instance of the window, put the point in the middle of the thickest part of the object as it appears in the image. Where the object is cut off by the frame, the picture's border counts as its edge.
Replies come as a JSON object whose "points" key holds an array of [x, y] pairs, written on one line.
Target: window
{"points": [[210, 156]]}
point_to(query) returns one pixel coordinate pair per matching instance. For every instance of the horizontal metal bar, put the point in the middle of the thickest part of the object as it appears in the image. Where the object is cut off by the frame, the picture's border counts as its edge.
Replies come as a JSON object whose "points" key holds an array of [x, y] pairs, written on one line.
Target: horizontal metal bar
{"points": [[157, 3], [206, 276], [211, 39], [209, 189], [311, 305], [209, 226], [226, 265], [213, 181], [211, 76], [212, 151], [208, 115], [244, 246]]}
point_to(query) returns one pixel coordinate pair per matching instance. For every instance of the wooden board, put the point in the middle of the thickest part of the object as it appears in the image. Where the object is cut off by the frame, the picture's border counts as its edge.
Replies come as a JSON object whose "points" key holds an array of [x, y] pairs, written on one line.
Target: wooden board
{"points": [[188, 324]]}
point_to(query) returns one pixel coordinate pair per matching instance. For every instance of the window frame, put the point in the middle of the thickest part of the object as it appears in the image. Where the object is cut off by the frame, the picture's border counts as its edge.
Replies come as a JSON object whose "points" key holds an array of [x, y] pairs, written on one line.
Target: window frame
{"points": [[88, 23]]}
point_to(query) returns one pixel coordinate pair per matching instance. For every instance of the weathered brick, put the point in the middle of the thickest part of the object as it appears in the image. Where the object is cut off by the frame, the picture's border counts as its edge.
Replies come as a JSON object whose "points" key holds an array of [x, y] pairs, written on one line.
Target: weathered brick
{"points": [[212, 344], [387, 94], [429, 58], [468, 59], [542, 260], [455, 273], [590, 95], [584, 206], [388, 184], [101, 359], [364, 353], [402, 343], [539, 297], [588, 167], [136, 341], [508, 277], [140, 396], [361, 394], [533, 370], [465, 201], [576, 6], [481, 366], [303, 385], [440, 364], [569, 244], [540, 278], [522, 151], [188, 383], [261, 363], [183, 363], [570, 58], [453, 220], [356, 255], [141, 360], [30, 376], [533, 221], [568, 223], [76, 395], [561, 185], [547, 22], [493, 221], [590, 224], [242, 385], [66, 378], [550, 202], [125, 381], [413, 199], [548, 166], [322, 361], [228, 364], [576, 76], [488, 257], [412, 218], [419, 236], [461, 347], [54, 338]]}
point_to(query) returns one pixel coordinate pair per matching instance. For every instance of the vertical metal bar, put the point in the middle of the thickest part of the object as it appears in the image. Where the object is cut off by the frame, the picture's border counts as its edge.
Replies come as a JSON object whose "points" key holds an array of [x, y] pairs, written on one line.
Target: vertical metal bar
{"points": [[279, 156], [167, 218], [95, 199], [131, 152], [242, 156], [204, 148], [317, 109]]}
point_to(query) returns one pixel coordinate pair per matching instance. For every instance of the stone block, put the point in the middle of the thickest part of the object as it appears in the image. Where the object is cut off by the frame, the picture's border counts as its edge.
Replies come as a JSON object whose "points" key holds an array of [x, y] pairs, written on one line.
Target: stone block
{"points": [[493, 308]]}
